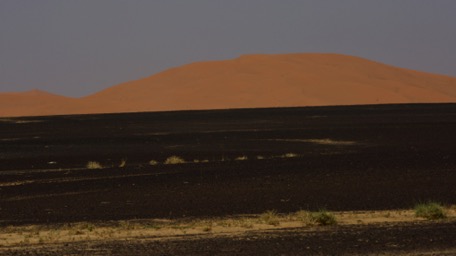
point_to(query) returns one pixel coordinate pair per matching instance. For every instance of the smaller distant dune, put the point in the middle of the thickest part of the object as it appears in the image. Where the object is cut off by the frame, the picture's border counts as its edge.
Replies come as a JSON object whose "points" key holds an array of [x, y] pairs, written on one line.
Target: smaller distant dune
{"points": [[250, 81], [36, 103]]}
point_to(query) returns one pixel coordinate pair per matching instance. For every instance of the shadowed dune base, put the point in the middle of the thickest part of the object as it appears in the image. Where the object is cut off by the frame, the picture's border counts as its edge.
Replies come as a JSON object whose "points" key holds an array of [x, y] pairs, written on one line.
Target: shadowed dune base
{"points": [[251, 81]]}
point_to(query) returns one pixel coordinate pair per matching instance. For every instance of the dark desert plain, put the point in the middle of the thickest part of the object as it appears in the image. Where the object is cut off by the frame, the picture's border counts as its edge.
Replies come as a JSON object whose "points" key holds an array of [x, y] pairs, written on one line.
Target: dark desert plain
{"points": [[77, 177]]}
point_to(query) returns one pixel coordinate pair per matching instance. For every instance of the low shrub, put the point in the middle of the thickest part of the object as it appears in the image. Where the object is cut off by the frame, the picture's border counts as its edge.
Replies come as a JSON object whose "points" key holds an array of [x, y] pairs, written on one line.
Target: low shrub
{"points": [[303, 216], [430, 211], [270, 217], [323, 218], [289, 155], [174, 160], [123, 163], [94, 165], [153, 162], [241, 158]]}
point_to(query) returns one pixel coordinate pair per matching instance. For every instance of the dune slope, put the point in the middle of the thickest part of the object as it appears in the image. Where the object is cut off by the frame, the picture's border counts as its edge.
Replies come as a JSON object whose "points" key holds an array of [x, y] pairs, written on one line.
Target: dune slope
{"points": [[36, 103], [253, 81]]}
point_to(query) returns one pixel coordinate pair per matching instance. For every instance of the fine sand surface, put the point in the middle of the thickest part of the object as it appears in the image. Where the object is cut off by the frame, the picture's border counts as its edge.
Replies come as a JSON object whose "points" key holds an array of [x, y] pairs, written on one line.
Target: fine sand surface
{"points": [[251, 81]]}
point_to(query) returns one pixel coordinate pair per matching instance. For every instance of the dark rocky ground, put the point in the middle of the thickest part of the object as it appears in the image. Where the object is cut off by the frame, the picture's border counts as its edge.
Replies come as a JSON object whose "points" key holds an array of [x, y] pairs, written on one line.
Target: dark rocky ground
{"points": [[349, 158]]}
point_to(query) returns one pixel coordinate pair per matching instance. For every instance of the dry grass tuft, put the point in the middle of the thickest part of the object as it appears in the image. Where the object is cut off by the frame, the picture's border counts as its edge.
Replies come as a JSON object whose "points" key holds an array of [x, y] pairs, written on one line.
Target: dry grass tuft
{"points": [[174, 160], [302, 216], [94, 165], [270, 217], [241, 158], [330, 142], [153, 162], [289, 155], [123, 163]]}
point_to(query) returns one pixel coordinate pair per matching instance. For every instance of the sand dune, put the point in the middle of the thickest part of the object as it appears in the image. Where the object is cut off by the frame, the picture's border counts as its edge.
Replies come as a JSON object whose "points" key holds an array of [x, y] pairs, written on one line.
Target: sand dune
{"points": [[250, 81], [35, 103]]}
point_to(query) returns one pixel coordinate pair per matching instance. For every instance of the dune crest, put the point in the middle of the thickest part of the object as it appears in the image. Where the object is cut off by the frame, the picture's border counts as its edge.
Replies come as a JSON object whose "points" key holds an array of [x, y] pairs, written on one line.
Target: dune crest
{"points": [[250, 81]]}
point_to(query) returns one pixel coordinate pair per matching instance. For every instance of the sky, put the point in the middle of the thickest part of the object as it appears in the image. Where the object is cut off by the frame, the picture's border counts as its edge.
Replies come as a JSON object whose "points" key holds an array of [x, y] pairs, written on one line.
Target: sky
{"points": [[78, 47]]}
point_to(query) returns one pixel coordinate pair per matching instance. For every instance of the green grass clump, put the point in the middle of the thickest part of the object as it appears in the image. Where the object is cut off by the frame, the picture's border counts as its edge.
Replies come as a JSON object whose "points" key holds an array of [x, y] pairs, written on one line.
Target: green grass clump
{"points": [[323, 218], [270, 217], [430, 211], [303, 216]]}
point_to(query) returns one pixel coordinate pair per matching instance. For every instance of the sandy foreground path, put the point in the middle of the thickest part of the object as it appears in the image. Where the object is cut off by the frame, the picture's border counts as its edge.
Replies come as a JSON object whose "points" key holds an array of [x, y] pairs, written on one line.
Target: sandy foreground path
{"points": [[397, 230]]}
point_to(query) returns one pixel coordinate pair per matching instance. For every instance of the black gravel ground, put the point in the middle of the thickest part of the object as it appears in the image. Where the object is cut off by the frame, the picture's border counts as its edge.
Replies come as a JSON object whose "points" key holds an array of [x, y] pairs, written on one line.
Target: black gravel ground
{"points": [[347, 158]]}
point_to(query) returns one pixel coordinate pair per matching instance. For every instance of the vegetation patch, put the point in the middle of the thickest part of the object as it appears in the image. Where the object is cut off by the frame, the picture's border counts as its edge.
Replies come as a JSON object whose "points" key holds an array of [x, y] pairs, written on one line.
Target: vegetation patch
{"points": [[139, 228], [94, 165], [174, 160], [330, 142], [303, 216], [430, 211], [323, 218], [289, 155], [270, 217], [153, 162], [123, 163]]}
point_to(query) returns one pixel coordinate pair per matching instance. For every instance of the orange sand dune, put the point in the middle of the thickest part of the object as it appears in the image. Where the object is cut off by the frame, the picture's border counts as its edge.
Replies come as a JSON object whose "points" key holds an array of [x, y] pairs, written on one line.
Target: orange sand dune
{"points": [[252, 81], [35, 103]]}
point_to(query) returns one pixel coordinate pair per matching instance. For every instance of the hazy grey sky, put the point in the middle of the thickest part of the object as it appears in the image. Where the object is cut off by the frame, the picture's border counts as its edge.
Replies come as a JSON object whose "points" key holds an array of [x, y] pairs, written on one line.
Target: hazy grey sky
{"points": [[77, 47]]}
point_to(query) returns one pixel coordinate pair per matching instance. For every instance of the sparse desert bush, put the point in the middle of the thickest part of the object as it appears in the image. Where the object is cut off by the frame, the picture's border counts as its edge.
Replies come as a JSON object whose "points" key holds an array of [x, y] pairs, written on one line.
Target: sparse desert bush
{"points": [[323, 218], [94, 165], [174, 160], [246, 224], [208, 226], [330, 142], [289, 155], [90, 227], [270, 217], [153, 162], [303, 216], [430, 211], [123, 163]]}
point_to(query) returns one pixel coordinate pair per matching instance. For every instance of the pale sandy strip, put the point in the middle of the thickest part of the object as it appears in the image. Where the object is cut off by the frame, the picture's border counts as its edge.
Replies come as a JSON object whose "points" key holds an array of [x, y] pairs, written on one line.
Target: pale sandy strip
{"points": [[174, 229]]}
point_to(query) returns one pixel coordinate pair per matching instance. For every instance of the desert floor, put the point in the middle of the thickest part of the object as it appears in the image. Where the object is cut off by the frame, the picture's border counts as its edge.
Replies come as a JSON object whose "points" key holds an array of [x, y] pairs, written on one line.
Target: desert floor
{"points": [[372, 163]]}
